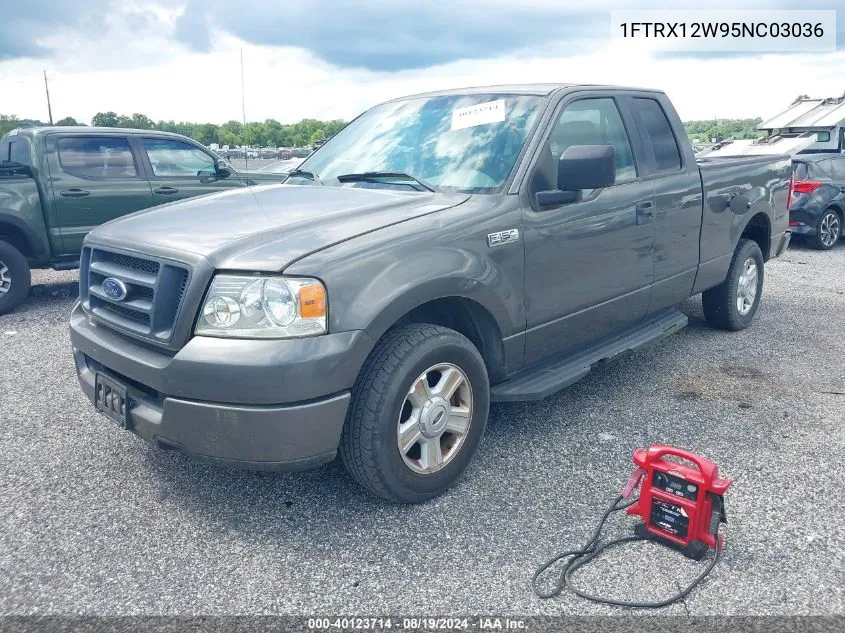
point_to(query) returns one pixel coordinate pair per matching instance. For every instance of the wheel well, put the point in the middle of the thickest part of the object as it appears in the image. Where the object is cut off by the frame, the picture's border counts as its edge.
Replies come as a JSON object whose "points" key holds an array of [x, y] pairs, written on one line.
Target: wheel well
{"points": [[759, 230], [470, 319], [839, 212], [14, 236]]}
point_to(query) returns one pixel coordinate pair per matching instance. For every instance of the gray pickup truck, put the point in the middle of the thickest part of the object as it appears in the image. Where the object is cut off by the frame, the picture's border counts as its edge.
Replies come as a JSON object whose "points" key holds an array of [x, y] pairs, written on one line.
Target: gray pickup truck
{"points": [[57, 183], [441, 252]]}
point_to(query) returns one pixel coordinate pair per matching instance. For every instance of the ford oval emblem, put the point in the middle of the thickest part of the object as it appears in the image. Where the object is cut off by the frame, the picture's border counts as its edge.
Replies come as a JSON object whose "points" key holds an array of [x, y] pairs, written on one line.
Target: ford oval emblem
{"points": [[114, 289]]}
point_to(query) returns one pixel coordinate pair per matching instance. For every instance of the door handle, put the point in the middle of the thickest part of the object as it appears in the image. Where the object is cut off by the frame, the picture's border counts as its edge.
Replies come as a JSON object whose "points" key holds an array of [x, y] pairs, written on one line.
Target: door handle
{"points": [[74, 193], [645, 213], [166, 190]]}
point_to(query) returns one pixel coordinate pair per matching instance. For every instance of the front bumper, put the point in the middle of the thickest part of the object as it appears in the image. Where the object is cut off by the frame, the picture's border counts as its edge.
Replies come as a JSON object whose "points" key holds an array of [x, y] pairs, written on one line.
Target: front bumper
{"points": [[264, 405]]}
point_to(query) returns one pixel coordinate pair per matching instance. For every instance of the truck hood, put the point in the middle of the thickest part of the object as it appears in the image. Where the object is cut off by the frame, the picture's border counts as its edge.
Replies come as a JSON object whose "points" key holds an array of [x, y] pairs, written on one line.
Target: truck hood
{"points": [[267, 227]]}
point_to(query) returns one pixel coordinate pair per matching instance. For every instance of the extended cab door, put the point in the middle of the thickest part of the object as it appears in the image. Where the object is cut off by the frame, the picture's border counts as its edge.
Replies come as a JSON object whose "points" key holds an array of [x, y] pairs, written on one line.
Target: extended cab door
{"points": [[94, 179], [179, 169], [673, 173], [588, 264]]}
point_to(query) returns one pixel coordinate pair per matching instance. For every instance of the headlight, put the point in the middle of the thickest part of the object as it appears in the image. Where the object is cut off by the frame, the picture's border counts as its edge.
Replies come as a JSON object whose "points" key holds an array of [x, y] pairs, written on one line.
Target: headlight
{"points": [[249, 306]]}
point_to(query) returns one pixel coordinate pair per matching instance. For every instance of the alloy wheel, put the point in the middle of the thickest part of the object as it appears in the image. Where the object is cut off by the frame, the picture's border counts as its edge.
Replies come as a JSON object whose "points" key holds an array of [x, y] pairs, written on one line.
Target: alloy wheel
{"points": [[435, 418], [5, 279], [746, 292], [829, 229]]}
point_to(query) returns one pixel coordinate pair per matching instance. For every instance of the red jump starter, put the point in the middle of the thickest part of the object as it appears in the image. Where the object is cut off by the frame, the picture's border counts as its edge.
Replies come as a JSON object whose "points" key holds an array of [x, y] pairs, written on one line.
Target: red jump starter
{"points": [[681, 505]]}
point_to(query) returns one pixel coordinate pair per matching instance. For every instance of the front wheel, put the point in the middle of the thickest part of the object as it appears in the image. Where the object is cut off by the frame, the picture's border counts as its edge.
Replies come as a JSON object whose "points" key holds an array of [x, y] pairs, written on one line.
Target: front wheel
{"points": [[418, 411], [15, 277], [733, 303]]}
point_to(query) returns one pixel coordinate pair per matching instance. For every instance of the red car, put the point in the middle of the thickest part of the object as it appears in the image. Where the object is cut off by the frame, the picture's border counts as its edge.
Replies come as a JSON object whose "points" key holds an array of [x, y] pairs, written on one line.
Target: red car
{"points": [[285, 154]]}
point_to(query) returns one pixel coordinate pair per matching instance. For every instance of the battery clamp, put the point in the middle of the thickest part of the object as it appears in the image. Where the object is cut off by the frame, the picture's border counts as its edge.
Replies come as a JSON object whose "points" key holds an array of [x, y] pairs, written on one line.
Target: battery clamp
{"points": [[681, 504]]}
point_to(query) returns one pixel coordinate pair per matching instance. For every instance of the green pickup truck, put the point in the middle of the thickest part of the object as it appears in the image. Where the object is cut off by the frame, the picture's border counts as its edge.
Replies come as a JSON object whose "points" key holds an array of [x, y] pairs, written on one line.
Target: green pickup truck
{"points": [[58, 183]]}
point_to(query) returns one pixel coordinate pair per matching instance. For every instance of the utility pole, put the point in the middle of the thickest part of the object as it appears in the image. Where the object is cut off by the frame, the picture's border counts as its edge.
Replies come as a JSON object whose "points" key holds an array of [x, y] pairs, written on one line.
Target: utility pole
{"points": [[47, 89]]}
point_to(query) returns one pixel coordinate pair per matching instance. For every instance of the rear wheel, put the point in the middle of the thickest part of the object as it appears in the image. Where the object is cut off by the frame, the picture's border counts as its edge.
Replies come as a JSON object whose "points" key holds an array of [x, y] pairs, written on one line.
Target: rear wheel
{"points": [[828, 231], [418, 411], [732, 304], [14, 277]]}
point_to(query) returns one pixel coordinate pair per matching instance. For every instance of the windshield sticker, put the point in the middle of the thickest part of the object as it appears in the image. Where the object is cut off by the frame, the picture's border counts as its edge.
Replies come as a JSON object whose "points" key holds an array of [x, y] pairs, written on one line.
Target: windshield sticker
{"points": [[480, 114]]}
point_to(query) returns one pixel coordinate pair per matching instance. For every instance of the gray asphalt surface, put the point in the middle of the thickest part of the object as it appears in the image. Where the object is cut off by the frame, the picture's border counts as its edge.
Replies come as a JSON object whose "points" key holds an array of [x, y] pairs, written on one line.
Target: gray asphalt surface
{"points": [[95, 521]]}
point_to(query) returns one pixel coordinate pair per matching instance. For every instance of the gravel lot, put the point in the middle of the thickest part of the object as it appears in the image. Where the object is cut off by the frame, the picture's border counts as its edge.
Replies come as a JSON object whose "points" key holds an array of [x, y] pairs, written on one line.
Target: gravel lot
{"points": [[95, 521]]}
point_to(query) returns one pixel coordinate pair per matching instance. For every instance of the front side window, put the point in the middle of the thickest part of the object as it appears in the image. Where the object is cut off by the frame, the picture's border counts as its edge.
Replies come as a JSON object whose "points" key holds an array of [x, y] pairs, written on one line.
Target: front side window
{"points": [[667, 155], [169, 158], [584, 122], [451, 142], [96, 157]]}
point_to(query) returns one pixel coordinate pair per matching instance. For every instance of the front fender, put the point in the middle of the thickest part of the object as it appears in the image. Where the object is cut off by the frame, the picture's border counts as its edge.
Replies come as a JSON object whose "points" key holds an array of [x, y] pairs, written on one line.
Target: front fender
{"points": [[426, 276], [376, 279]]}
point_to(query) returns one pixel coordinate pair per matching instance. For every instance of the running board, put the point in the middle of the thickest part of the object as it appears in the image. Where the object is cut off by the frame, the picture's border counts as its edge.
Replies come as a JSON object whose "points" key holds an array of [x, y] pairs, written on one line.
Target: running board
{"points": [[553, 375]]}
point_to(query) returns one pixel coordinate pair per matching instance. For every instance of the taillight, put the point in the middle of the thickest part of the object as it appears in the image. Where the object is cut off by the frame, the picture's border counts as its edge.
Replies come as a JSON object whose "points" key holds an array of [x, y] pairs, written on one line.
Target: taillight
{"points": [[805, 186], [800, 186], [789, 193]]}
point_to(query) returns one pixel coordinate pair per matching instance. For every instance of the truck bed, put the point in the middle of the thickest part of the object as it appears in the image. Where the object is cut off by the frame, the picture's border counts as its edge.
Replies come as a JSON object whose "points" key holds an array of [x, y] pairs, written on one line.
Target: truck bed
{"points": [[762, 182]]}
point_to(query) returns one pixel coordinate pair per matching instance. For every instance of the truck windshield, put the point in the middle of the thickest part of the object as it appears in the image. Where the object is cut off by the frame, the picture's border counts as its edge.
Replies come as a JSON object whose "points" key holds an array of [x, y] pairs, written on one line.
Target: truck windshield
{"points": [[453, 142]]}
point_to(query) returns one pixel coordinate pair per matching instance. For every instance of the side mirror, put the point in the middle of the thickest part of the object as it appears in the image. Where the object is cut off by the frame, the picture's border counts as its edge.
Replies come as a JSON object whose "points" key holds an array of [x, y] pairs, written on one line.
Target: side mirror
{"points": [[223, 169], [581, 167]]}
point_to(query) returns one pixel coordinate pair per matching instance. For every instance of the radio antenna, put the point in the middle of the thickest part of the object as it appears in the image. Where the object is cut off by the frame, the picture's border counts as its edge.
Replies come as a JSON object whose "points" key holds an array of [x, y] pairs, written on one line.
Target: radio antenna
{"points": [[47, 90], [243, 112]]}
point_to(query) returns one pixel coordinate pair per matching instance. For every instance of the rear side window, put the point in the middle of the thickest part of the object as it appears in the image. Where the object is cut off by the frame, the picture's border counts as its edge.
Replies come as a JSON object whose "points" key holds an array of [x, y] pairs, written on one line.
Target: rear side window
{"points": [[838, 169], [667, 155], [170, 158], [96, 157], [820, 169]]}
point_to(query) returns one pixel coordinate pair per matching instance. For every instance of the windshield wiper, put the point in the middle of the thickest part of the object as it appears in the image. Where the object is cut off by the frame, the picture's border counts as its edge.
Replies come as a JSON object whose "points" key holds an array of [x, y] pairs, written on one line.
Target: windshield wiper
{"points": [[376, 176]]}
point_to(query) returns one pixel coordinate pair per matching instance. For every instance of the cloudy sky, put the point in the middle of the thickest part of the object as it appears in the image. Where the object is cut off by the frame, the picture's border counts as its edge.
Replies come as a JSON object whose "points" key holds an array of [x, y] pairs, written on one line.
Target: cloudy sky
{"points": [[180, 59]]}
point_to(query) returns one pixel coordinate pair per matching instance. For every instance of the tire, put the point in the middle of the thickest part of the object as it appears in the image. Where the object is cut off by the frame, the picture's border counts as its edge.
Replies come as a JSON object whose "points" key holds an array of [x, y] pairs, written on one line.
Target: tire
{"points": [[721, 304], [381, 400], [828, 231], [15, 277]]}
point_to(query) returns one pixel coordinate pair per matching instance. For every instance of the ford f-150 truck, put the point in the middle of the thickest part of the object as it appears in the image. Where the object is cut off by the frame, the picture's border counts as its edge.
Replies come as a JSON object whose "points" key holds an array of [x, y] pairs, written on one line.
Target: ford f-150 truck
{"points": [[57, 183], [441, 252]]}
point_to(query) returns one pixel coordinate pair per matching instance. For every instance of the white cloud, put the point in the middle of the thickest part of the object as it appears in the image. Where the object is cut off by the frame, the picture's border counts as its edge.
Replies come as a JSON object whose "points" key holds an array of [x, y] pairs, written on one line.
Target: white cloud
{"points": [[289, 84]]}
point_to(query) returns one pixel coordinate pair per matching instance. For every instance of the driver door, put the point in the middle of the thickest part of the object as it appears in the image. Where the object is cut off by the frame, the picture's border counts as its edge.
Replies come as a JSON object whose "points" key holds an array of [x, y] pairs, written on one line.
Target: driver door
{"points": [[589, 263], [178, 170]]}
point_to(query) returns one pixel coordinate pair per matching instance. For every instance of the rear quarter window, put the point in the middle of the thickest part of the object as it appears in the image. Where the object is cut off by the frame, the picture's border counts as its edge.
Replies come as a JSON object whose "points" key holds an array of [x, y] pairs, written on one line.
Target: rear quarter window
{"points": [[800, 170]]}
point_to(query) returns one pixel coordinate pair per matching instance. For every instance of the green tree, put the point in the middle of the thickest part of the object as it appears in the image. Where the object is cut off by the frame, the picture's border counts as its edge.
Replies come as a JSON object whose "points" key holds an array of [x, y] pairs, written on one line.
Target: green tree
{"points": [[68, 120], [205, 133], [137, 120], [105, 119], [254, 135]]}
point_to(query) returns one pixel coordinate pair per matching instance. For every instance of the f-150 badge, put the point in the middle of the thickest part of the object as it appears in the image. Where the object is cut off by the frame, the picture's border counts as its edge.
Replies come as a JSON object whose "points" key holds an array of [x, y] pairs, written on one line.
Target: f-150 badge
{"points": [[503, 237]]}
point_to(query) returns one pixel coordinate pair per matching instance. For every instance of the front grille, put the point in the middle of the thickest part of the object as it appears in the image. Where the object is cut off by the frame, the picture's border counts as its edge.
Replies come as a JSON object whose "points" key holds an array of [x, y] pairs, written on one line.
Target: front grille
{"points": [[129, 313], [126, 261], [154, 291]]}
